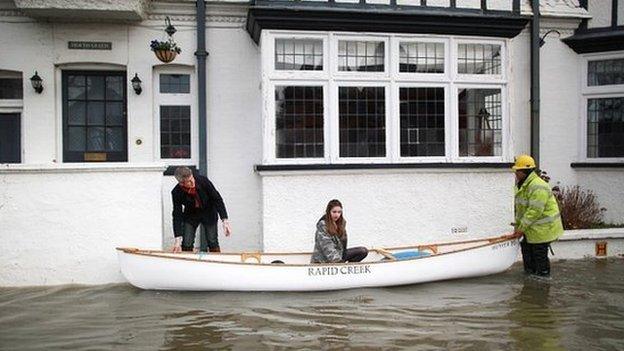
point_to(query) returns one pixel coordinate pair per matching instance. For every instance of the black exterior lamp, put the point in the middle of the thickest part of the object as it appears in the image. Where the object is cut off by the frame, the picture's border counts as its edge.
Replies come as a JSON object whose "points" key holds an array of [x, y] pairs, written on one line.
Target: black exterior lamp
{"points": [[36, 83], [136, 84]]}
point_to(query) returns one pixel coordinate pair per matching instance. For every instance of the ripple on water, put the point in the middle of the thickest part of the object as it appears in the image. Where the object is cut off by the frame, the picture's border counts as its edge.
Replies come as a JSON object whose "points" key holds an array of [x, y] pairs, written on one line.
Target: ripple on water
{"points": [[582, 307]]}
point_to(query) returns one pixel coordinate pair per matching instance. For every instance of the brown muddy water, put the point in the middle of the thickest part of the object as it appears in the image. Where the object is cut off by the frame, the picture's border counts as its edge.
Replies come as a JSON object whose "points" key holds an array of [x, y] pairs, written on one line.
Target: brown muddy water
{"points": [[580, 308]]}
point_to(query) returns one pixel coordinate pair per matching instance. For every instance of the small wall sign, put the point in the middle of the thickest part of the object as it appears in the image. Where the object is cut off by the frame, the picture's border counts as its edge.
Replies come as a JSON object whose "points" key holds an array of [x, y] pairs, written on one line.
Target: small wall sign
{"points": [[90, 45]]}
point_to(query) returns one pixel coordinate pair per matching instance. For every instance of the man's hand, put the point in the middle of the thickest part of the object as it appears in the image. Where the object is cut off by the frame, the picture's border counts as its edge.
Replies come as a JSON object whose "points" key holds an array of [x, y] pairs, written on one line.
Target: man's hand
{"points": [[177, 246], [226, 227]]}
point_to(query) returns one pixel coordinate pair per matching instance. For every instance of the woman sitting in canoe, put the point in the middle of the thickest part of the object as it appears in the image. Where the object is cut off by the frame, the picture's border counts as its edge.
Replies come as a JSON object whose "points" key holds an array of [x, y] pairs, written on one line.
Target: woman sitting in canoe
{"points": [[330, 242]]}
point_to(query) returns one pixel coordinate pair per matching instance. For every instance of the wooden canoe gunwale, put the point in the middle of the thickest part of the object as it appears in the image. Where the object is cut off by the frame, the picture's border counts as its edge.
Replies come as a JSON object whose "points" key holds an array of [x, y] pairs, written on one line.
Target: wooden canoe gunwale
{"points": [[488, 242]]}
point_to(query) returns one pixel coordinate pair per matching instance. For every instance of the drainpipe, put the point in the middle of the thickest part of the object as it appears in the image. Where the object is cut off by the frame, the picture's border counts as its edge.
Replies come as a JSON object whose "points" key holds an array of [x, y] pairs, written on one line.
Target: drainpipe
{"points": [[201, 54], [535, 82]]}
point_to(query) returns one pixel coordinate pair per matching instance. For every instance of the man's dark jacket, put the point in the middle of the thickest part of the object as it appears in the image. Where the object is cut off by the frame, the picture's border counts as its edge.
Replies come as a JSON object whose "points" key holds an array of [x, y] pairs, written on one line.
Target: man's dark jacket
{"points": [[184, 209]]}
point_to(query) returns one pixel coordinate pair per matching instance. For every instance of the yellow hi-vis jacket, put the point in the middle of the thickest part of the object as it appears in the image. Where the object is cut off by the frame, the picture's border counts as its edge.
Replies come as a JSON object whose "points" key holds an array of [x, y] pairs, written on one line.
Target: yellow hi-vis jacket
{"points": [[537, 212]]}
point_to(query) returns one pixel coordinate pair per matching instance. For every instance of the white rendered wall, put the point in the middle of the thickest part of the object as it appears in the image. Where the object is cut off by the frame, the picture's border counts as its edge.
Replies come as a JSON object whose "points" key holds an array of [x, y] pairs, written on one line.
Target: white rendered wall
{"points": [[387, 208], [559, 110], [608, 186], [61, 224]]}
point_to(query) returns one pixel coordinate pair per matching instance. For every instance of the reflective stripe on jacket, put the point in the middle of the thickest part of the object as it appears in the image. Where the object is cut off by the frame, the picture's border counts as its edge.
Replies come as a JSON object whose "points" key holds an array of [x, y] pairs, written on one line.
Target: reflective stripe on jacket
{"points": [[537, 212]]}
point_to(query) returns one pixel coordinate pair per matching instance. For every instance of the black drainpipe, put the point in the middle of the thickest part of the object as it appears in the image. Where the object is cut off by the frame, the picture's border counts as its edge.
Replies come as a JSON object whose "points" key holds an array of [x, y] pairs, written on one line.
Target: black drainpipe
{"points": [[535, 82], [201, 54]]}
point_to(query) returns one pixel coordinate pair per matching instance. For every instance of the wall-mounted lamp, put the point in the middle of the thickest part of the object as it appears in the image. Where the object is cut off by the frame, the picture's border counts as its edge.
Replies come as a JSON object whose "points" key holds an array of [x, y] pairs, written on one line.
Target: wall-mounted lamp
{"points": [[36, 83], [542, 40], [136, 84]]}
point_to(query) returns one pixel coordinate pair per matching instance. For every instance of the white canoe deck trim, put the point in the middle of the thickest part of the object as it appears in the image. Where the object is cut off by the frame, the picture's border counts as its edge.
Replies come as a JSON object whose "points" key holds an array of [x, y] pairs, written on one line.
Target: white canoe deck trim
{"points": [[375, 254]]}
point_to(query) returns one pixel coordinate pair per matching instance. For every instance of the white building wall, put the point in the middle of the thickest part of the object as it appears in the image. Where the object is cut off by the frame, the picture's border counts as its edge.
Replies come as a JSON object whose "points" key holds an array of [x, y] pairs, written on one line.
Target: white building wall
{"points": [[559, 109], [387, 208], [61, 224]]}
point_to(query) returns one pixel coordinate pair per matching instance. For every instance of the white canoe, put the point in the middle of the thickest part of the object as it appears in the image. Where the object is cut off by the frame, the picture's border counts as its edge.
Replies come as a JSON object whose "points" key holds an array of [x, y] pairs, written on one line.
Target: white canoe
{"points": [[161, 270]]}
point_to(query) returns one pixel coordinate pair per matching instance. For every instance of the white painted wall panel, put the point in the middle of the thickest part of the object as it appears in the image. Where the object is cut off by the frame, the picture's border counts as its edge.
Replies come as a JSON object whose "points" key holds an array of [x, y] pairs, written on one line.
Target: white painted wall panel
{"points": [[387, 208], [608, 186], [62, 227]]}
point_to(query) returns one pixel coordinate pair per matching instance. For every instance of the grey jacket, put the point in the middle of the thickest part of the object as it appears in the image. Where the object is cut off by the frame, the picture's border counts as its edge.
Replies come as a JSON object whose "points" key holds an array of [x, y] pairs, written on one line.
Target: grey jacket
{"points": [[327, 247]]}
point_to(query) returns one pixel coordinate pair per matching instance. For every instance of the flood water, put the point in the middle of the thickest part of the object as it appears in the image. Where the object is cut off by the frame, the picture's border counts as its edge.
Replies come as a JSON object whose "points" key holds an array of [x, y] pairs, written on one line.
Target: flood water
{"points": [[580, 308]]}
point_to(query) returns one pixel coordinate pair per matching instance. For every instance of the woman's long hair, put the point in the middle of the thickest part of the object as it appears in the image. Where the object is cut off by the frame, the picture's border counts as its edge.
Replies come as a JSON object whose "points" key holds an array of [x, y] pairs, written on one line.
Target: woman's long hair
{"points": [[335, 228]]}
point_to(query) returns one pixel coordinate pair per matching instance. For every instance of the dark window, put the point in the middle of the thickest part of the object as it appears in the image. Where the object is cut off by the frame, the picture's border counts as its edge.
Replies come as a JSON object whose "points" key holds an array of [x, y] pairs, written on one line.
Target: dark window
{"points": [[479, 59], [605, 127], [363, 56], [422, 121], [175, 131], [299, 121], [299, 54], [11, 88], [362, 121], [421, 57], [94, 116], [10, 146], [175, 83], [605, 72], [480, 122]]}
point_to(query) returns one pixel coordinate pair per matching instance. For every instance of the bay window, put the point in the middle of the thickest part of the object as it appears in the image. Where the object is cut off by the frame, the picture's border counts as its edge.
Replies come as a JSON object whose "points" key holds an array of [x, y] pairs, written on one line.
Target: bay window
{"points": [[389, 98]]}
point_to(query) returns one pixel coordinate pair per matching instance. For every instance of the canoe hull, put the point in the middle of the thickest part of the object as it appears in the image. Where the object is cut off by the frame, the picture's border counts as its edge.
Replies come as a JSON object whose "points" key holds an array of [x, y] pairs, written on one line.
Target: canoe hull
{"points": [[164, 273]]}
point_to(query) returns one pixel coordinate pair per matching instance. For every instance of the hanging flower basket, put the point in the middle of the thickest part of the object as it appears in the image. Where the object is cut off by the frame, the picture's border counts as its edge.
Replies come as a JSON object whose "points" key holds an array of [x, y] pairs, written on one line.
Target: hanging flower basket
{"points": [[165, 51], [165, 56]]}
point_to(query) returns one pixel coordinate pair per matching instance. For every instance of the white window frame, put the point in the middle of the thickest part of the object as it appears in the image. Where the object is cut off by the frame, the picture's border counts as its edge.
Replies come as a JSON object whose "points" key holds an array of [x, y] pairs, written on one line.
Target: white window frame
{"points": [[335, 38], [270, 129], [335, 123], [595, 92], [421, 77], [505, 132], [392, 80], [176, 99], [296, 74]]}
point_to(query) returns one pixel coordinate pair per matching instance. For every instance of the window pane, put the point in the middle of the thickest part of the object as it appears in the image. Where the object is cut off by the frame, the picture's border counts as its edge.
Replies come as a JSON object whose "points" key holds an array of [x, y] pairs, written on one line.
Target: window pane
{"points": [[605, 72], [114, 139], [362, 121], [605, 127], [479, 59], [362, 56], [421, 57], [422, 121], [114, 88], [95, 139], [95, 113], [11, 88], [76, 136], [480, 122], [77, 112], [76, 87], [95, 87], [175, 83], [299, 54], [10, 138], [114, 114], [175, 141], [299, 121]]}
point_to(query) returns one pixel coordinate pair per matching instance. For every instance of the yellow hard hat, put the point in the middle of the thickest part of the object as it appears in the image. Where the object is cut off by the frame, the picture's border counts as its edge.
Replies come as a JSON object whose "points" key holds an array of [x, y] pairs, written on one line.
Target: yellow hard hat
{"points": [[523, 162]]}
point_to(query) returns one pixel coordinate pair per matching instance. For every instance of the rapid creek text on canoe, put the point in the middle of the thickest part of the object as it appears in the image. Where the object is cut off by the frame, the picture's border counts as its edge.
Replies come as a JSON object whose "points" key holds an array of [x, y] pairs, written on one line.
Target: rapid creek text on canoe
{"points": [[317, 271]]}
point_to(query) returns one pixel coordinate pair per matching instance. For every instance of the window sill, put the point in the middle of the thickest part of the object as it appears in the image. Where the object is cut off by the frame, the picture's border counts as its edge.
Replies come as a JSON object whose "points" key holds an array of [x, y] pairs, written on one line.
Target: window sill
{"points": [[109, 167], [597, 165], [368, 166]]}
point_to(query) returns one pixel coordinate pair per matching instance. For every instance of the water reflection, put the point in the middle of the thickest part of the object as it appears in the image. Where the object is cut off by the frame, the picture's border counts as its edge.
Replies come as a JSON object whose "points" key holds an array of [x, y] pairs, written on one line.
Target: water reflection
{"points": [[536, 324]]}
